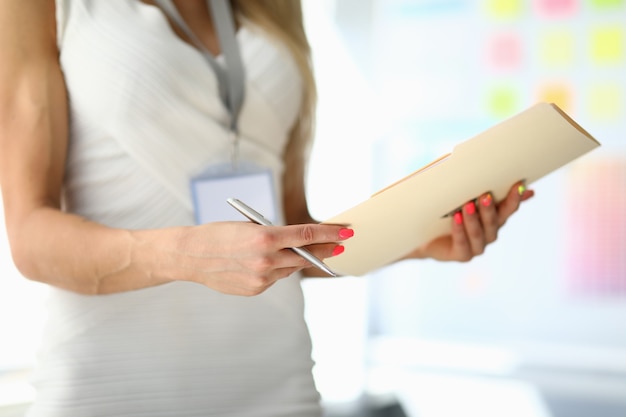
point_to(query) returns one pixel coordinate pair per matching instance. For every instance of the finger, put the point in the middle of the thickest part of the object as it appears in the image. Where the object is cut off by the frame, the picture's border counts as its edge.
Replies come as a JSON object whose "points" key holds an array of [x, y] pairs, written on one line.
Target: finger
{"points": [[326, 250], [488, 217], [296, 262], [310, 234], [527, 195], [512, 201], [287, 258], [473, 228], [460, 244]]}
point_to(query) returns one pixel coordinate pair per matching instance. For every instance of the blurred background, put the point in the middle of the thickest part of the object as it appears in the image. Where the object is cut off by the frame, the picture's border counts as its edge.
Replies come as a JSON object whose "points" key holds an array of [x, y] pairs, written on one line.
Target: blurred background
{"points": [[535, 327]]}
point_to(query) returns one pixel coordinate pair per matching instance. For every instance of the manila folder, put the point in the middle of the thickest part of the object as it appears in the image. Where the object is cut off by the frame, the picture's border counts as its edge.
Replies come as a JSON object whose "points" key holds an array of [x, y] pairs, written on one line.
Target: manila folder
{"points": [[414, 210]]}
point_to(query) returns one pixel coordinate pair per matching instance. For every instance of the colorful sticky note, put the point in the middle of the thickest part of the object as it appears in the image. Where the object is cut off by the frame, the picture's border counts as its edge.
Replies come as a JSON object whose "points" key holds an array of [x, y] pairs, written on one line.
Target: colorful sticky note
{"points": [[557, 48], [607, 4], [504, 8], [557, 93], [606, 102], [502, 101], [595, 239], [608, 45], [555, 8], [505, 51]]}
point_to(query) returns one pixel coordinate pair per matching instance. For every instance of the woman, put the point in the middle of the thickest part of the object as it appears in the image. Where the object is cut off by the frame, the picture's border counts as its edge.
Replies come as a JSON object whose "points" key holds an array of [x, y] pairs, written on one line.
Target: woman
{"points": [[107, 111]]}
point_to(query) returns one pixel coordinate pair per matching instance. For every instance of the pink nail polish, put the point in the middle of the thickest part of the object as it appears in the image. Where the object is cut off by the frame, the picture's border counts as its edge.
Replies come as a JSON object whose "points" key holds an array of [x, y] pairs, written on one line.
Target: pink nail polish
{"points": [[470, 208], [346, 233], [486, 200], [458, 217], [338, 250]]}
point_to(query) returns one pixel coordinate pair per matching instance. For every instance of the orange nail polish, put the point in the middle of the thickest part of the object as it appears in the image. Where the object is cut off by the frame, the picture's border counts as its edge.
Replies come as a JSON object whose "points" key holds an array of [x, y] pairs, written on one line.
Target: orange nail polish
{"points": [[470, 208], [486, 200], [346, 233], [458, 217], [338, 250]]}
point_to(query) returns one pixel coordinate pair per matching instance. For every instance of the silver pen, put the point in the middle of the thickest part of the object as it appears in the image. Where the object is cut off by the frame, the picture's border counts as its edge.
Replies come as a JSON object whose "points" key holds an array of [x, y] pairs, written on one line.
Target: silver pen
{"points": [[258, 218]]}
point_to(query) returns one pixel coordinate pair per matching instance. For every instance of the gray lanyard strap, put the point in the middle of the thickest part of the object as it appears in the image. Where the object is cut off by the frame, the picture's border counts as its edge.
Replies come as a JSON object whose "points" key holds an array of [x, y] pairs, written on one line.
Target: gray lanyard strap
{"points": [[225, 27], [231, 82]]}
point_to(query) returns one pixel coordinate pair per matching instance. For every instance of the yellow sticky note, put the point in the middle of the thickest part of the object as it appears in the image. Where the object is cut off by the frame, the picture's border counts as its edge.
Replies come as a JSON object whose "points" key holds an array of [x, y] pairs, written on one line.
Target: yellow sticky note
{"points": [[606, 103], [557, 48], [504, 8], [607, 45]]}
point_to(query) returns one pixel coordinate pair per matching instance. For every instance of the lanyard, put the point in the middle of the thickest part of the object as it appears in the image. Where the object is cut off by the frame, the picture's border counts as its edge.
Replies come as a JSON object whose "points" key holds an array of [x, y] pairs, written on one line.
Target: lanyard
{"points": [[231, 83]]}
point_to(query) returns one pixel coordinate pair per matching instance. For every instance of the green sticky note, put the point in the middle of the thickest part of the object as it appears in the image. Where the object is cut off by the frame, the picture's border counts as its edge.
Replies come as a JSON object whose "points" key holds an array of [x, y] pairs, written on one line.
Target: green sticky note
{"points": [[502, 101], [607, 4]]}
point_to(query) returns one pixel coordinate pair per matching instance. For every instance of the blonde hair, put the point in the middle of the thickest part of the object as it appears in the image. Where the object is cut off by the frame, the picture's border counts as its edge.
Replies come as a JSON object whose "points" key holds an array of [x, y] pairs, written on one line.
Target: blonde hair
{"points": [[283, 19]]}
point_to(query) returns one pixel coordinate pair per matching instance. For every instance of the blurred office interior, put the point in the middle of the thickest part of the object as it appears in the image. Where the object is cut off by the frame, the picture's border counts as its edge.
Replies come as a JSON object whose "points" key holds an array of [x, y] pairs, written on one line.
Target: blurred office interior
{"points": [[535, 327]]}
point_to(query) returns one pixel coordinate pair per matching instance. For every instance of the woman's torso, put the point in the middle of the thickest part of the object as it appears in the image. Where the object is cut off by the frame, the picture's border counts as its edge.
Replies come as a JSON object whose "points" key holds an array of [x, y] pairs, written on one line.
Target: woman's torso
{"points": [[145, 117]]}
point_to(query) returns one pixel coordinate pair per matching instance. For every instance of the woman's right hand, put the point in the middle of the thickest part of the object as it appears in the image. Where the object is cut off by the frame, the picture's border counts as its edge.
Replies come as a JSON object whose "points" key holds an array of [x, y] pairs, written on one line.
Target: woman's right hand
{"points": [[238, 258], [73, 253]]}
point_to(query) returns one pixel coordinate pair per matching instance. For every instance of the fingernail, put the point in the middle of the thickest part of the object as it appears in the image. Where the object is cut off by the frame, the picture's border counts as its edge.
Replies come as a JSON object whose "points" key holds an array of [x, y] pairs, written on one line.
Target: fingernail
{"points": [[346, 233], [338, 250], [520, 189], [470, 208], [486, 200], [458, 217]]}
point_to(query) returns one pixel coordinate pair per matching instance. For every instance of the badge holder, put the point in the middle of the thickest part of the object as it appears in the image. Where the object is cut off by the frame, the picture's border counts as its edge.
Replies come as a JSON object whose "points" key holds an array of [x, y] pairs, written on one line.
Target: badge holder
{"points": [[249, 182]]}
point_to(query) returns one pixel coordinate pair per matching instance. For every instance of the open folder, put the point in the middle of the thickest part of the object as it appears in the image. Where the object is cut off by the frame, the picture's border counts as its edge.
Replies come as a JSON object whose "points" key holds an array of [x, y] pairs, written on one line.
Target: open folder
{"points": [[414, 210]]}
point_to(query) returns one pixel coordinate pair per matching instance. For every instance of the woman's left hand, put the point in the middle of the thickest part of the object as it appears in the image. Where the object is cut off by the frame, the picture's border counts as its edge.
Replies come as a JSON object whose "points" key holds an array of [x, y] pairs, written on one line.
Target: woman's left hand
{"points": [[474, 227]]}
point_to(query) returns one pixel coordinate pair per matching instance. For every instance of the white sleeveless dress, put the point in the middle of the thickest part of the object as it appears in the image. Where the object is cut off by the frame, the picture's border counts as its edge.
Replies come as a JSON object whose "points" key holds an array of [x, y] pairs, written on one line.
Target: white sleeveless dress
{"points": [[145, 117]]}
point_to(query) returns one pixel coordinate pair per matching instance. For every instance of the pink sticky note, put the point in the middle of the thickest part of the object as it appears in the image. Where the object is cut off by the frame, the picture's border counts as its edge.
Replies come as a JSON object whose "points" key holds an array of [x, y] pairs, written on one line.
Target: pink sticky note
{"points": [[505, 51], [595, 234], [555, 8]]}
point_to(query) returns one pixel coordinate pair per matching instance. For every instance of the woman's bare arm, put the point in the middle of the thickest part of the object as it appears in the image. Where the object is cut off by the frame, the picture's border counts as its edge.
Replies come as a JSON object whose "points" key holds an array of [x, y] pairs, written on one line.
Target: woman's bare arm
{"points": [[71, 252], [46, 244]]}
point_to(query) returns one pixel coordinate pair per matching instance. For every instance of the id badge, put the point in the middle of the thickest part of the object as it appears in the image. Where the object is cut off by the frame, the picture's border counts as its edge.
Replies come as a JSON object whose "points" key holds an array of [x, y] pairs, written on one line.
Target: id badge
{"points": [[248, 183]]}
